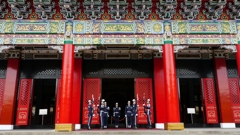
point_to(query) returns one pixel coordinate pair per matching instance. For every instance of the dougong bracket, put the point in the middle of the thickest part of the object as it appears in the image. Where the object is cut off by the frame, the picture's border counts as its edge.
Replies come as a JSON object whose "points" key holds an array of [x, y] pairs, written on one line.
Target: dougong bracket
{"points": [[214, 8], [20, 8], [69, 9], [190, 8], [235, 9], [117, 9], [44, 8], [142, 8], [3, 10], [93, 8], [166, 9]]}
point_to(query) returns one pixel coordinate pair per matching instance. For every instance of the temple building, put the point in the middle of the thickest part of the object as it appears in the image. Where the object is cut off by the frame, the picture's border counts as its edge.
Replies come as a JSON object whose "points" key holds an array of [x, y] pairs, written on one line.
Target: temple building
{"points": [[183, 55]]}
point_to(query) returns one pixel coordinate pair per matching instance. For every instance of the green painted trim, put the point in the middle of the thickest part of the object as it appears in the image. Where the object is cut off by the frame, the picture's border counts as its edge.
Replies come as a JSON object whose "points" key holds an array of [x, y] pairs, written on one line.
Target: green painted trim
{"points": [[68, 41], [168, 42], [239, 42]]}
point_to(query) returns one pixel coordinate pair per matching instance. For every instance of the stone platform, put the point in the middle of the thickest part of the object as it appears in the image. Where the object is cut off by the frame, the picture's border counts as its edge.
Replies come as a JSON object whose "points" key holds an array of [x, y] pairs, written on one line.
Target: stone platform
{"points": [[191, 131]]}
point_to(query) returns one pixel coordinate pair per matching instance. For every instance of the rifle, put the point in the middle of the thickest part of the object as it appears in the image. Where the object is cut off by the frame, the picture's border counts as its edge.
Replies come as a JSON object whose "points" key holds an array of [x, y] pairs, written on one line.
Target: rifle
{"points": [[137, 102], [144, 100], [93, 104], [99, 103]]}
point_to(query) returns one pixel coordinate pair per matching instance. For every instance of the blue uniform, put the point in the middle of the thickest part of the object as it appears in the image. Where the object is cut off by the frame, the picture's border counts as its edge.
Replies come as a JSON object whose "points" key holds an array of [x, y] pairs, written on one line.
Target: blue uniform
{"points": [[105, 116], [90, 115], [134, 112], [116, 115], [101, 112], [148, 113], [128, 113]]}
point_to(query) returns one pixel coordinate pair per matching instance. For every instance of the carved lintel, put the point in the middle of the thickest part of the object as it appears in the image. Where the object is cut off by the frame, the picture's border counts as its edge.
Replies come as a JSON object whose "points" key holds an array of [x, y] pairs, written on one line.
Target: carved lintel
{"points": [[81, 48], [177, 48], [229, 47], [59, 48], [158, 48], [2, 48]]}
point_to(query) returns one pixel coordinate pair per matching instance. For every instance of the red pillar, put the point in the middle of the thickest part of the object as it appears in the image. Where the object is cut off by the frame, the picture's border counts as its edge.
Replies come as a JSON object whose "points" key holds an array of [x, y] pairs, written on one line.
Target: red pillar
{"points": [[9, 97], [170, 83], [160, 100], [224, 99], [67, 84], [238, 58], [77, 85]]}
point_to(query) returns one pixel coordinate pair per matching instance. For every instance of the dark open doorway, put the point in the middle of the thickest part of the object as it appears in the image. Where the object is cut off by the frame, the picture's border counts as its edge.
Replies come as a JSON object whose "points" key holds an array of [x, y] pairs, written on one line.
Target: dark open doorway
{"points": [[191, 97], [117, 90], [43, 97]]}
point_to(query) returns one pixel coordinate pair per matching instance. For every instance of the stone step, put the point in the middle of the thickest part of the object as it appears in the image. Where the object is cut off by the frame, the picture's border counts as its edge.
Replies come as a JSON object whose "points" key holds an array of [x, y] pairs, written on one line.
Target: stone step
{"points": [[123, 131]]}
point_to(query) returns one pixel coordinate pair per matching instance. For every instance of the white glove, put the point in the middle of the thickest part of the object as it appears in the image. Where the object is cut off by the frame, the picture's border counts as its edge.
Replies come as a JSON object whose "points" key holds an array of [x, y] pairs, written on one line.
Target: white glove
{"points": [[125, 115], [136, 114], [93, 115], [143, 104]]}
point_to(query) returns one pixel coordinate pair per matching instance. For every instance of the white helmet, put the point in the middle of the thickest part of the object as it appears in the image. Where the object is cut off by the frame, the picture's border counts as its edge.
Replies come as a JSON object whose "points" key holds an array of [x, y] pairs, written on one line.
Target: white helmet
{"points": [[148, 100], [89, 101], [134, 100], [103, 100]]}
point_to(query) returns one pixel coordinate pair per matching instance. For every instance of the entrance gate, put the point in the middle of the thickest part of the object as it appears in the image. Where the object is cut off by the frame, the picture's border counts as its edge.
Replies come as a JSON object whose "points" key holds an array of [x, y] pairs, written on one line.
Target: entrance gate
{"points": [[92, 91], [29, 71], [141, 70]]}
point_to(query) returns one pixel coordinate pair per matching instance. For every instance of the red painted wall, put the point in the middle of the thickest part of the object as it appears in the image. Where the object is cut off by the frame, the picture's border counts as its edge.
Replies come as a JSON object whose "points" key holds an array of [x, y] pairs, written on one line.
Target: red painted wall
{"points": [[224, 100], [159, 91], [9, 96]]}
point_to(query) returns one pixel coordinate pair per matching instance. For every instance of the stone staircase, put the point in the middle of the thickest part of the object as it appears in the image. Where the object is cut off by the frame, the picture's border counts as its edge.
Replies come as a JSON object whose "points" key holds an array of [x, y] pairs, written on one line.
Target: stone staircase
{"points": [[141, 131]]}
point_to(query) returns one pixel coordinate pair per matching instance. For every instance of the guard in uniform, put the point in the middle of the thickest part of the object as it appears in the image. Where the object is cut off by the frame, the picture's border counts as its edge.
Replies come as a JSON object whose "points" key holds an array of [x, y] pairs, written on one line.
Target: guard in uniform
{"points": [[134, 113], [128, 114], [148, 113], [101, 112], [116, 114], [106, 114], [90, 113]]}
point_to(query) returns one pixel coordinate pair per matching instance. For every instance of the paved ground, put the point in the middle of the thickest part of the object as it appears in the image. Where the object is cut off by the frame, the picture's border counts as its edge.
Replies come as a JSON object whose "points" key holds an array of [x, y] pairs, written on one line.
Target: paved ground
{"points": [[188, 131]]}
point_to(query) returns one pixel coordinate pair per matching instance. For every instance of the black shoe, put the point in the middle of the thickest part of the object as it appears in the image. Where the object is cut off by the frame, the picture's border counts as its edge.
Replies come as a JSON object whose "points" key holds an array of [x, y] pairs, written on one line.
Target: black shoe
{"points": [[135, 127], [150, 127], [101, 128], [89, 128]]}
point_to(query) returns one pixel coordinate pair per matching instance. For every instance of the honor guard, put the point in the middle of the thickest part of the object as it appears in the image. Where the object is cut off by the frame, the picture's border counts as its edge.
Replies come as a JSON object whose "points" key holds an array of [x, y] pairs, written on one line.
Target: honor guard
{"points": [[128, 114], [101, 112], [134, 113], [148, 113], [116, 114], [90, 113], [106, 114]]}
